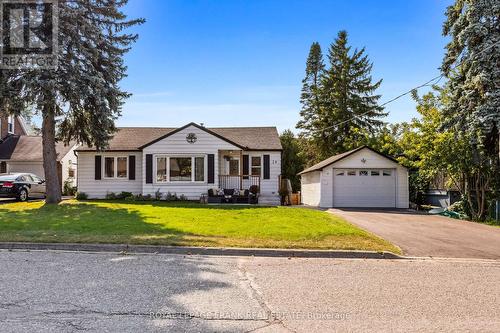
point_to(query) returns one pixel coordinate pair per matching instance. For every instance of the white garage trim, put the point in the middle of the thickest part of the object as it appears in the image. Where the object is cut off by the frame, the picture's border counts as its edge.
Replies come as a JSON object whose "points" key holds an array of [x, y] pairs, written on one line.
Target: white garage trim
{"points": [[321, 188]]}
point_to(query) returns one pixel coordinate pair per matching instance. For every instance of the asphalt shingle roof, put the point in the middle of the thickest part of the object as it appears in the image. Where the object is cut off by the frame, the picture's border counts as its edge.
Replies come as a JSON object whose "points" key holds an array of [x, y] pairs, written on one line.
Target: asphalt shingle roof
{"points": [[28, 148], [253, 138], [335, 158]]}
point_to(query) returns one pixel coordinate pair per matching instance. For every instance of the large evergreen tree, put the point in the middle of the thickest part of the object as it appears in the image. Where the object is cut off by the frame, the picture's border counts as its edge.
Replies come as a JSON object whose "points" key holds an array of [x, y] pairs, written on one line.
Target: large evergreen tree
{"points": [[472, 66], [311, 90], [344, 100], [83, 92]]}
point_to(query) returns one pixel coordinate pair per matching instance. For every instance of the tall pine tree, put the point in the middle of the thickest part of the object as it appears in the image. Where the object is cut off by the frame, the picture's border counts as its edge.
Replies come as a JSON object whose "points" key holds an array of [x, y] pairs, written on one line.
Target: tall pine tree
{"points": [[82, 94], [472, 66], [344, 94], [310, 97]]}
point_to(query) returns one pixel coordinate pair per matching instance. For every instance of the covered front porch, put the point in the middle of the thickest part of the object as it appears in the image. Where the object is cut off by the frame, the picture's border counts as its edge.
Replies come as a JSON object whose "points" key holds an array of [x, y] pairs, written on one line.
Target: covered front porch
{"points": [[238, 171]]}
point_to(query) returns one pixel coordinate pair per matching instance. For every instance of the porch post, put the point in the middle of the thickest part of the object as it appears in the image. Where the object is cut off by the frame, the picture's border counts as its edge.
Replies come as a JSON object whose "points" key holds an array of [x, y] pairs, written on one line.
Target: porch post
{"points": [[241, 169]]}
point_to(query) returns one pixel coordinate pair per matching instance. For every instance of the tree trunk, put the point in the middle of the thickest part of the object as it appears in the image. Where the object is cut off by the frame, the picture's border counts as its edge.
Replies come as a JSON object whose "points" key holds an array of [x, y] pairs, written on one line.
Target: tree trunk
{"points": [[50, 156]]}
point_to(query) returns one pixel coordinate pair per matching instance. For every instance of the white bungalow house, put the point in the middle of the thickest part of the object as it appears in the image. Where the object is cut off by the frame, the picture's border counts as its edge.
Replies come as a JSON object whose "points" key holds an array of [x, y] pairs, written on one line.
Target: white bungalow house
{"points": [[362, 177], [187, 161]]}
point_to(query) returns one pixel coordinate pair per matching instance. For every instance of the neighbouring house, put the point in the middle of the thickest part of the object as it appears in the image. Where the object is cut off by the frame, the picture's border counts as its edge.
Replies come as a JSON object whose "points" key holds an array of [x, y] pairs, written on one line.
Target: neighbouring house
{"points": [[362, 177], [441, 192], [186, 161], [20, 152]]}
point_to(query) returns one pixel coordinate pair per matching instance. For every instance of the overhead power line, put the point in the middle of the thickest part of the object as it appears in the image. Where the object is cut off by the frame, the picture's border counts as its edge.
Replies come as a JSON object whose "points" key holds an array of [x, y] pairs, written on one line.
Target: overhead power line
{"points": [[426, 84]]}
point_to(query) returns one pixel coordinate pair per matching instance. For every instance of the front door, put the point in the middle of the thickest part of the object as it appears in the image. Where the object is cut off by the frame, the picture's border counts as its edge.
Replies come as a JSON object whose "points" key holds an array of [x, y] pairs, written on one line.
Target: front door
{"points": [[234, 167]]}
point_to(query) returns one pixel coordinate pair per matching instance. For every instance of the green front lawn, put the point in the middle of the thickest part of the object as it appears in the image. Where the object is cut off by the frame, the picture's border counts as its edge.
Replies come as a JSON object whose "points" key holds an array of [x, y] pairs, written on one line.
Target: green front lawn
{"points": [[186, 224]]}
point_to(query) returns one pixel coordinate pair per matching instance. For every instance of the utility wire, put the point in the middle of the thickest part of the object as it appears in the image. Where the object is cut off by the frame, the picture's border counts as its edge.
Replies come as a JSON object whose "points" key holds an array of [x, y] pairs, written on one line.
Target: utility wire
{"points": [[438, 78]]}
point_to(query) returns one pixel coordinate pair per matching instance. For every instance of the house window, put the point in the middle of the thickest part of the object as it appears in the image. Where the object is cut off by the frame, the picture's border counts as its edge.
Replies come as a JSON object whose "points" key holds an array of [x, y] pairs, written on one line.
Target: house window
{"points": [[175, 169], [10, 124], [3, 167], [351, 173], [115, 167], [109, 167], [375, 173], [256, 166], [363, 173], [180, 169], [121, 167], [161, 169], [199, 169], [387, 172]]}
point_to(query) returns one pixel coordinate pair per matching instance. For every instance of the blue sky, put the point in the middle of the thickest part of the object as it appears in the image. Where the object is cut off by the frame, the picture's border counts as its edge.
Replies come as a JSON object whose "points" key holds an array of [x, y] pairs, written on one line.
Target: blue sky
{"points": [[240, 63]]}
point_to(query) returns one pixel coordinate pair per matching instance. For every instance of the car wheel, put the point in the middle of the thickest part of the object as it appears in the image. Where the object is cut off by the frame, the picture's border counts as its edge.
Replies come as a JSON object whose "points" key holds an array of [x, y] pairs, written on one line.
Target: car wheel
{"points": [[23, 195]]}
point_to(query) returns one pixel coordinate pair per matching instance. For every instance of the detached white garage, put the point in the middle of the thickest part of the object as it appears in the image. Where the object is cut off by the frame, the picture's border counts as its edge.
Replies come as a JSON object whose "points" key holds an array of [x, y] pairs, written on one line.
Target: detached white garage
{"points": [[362, 177]]}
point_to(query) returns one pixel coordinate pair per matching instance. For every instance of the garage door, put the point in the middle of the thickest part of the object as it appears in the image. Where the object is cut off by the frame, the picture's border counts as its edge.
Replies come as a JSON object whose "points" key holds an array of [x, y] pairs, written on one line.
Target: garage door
{"points": [[364, 188]]}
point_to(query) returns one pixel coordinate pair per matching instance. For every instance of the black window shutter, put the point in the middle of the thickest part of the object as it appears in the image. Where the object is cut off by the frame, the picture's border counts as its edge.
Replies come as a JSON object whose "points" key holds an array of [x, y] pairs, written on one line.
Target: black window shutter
{"points": [[211, 169], [131, 167], [149, 169], [98, 168], [267, 166], [245, 166]]}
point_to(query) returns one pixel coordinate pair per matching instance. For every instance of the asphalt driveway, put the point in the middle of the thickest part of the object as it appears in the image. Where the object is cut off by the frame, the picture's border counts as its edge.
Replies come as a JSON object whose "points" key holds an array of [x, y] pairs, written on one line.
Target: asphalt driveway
{"points": [[428, 235]]}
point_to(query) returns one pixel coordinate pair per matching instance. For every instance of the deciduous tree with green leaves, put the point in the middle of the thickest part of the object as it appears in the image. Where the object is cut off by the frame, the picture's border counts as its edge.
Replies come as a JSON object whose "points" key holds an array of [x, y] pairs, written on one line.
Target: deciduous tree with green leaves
{"points": [[291, 159]]}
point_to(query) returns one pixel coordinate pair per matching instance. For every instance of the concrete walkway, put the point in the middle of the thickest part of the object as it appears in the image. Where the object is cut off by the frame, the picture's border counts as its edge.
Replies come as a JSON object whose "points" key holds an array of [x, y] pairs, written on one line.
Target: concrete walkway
{"points": [[428, 235]]}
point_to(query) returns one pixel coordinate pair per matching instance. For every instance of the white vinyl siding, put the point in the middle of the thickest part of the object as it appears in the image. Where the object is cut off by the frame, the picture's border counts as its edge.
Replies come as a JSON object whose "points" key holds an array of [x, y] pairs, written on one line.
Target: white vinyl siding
{"points": [[311, 188], [99, 188], [363, 160], [69, 161], [177, 145], [173, 146]]}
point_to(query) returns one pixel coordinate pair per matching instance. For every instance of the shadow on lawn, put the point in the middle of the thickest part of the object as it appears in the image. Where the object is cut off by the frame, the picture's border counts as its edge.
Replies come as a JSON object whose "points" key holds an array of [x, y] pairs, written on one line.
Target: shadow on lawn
{"points": [[88, 222]]}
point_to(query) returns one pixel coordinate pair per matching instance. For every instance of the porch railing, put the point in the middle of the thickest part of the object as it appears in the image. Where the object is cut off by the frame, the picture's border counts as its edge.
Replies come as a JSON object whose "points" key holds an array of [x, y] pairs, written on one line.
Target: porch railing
{"points": [[238, 182]]}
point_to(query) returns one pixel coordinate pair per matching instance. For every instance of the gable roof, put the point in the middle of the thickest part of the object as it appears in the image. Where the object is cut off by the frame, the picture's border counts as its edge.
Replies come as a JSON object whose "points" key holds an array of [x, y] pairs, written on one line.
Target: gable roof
{"points": [[319, 166], [246, 138], [28, 148]]}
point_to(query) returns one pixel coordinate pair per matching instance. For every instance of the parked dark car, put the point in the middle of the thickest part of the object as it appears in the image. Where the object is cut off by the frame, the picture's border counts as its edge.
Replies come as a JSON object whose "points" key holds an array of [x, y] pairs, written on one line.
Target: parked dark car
{"points": [[21, 186]]}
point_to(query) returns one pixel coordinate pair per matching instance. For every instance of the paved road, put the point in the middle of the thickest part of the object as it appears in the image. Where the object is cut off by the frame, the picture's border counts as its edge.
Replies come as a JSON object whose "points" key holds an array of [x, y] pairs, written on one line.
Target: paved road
{"points": [[73, 292], [428, 235]]}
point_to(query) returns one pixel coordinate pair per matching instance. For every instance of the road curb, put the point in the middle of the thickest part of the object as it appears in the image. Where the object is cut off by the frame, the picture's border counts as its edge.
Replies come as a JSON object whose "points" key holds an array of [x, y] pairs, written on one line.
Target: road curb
{"points": [[209, 251]]}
